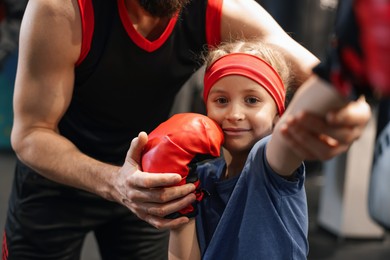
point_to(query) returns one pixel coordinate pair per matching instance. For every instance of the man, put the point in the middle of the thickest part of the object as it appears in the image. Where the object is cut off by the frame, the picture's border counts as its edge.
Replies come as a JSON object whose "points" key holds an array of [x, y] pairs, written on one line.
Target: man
{"points": [[357, 63], [91, 76]]}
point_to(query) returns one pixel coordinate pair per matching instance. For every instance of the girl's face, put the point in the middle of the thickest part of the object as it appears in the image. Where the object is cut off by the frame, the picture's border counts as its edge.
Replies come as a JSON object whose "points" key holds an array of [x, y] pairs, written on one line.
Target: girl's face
{"points": [[244, 110]]}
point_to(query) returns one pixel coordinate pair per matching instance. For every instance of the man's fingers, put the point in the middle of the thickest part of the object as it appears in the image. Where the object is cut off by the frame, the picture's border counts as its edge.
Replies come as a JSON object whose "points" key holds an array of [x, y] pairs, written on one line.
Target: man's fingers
{"points": [[343, 132], [345, 135], [154, 180], [308, 122], [162, 223], [160, 195], [310, 144], [300, 150], [151, 196], [301, 147], [161, 210], [135, 151], [354, 114], [154, 213]]}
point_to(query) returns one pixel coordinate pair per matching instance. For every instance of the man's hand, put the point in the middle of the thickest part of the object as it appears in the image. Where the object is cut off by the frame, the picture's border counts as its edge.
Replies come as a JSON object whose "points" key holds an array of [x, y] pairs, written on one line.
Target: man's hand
{"points": [[146, 194], [316, 138]]}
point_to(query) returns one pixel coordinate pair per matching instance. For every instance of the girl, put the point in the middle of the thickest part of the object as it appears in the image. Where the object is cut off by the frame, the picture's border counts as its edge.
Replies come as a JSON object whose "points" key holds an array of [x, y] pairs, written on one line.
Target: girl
{"points": [[257, 204]]}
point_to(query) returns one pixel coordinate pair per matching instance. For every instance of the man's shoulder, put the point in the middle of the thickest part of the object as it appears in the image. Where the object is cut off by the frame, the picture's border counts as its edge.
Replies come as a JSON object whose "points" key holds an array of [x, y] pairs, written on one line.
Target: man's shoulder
{"points": [[58, 6]]}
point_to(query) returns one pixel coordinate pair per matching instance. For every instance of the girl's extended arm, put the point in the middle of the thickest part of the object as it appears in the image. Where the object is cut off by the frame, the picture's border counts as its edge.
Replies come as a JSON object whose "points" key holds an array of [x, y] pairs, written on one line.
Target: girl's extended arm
{"points": [[315, 96]]}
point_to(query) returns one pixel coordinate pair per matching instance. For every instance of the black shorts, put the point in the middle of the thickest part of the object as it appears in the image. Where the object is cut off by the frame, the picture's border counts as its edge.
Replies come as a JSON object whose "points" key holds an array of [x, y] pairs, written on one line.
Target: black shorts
{"points": [[47, 220]]}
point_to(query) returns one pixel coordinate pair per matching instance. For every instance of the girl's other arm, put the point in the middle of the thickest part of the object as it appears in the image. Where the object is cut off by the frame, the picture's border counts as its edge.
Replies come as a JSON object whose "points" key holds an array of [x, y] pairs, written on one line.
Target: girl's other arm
{"points": [[183, 242]]}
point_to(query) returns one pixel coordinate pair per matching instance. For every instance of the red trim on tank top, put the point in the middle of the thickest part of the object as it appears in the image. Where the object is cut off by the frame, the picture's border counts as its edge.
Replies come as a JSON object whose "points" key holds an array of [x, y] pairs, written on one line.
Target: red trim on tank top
{"points": [[4, 248], [213, 18], [87, 27], [137, 38]]}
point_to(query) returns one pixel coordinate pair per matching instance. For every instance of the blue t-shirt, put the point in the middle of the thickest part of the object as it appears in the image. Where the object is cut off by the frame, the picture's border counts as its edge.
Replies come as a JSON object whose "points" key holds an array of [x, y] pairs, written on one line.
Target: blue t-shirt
{"points": [[256, 215]]}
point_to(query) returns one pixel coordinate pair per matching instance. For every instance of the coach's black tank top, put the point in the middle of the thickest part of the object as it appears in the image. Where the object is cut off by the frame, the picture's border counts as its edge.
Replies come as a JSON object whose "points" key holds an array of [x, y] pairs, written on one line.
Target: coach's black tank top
{"points": [[124, 83]]}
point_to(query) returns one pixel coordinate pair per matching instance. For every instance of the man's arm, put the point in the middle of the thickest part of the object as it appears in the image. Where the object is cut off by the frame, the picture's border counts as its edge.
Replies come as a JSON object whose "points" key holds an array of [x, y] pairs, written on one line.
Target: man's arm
{"points": [[249, 20], [49, 47]]}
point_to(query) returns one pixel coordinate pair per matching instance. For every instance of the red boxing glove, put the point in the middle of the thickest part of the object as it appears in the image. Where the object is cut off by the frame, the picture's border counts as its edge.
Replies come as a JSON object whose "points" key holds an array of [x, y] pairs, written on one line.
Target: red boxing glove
{"points": [[374, 19], [177, 145]]}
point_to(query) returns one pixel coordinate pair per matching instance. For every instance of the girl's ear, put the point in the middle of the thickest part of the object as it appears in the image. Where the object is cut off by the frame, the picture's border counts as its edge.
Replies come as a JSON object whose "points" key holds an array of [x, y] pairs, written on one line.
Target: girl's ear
{"points": [[276, 119]]}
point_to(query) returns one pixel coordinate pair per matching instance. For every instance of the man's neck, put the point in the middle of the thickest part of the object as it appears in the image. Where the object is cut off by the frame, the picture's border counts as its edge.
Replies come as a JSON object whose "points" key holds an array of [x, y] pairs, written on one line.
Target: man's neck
{"points": [[148, 26]]}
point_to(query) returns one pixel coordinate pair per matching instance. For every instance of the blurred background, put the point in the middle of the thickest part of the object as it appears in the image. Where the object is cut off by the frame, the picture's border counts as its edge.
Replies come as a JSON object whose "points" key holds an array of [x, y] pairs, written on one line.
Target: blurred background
{"points": [[340, 225]]}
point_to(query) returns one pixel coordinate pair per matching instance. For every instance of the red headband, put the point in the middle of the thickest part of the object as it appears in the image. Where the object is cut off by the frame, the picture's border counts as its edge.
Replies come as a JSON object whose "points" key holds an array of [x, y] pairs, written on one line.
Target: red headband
{"points": [[249, 66]]}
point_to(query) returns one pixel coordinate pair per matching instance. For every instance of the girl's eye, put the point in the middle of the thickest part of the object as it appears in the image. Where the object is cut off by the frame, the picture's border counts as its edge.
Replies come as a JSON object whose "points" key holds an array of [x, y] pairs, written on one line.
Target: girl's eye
{"points": [[221, 100], [252, 100]]}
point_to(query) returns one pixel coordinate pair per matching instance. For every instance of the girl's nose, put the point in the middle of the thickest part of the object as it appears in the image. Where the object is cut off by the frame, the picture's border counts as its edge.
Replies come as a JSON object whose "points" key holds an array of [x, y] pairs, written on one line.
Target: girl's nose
{"points": [[235, 112]]}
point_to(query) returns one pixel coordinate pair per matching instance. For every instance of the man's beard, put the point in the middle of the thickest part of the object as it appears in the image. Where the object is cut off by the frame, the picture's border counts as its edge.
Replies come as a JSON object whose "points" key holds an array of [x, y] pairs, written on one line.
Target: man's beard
{"points": [[163, 8]]}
